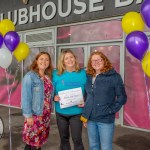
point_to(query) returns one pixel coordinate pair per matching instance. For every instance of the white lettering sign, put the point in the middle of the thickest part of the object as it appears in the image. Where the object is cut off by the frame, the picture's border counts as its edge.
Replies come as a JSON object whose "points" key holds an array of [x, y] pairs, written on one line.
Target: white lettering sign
{"points": [[35, 13], [93, 8], [82, 5], [60, 8], [49, 10], [119, 3], [52, 7], [23, 16]]}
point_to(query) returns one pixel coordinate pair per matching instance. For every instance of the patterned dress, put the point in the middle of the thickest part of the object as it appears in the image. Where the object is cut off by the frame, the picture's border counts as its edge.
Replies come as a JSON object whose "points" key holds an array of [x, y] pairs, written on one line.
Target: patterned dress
{"points": [[37, 134]]}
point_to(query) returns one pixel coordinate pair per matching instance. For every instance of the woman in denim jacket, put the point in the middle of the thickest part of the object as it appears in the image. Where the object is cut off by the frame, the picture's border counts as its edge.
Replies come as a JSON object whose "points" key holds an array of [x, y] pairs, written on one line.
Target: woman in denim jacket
{"points": [[37, 94], [105, 96]]}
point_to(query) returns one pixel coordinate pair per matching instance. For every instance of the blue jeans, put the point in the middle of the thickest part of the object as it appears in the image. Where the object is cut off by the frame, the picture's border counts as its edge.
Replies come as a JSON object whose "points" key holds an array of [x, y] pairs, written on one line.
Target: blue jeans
{"points": [[100, 135]]}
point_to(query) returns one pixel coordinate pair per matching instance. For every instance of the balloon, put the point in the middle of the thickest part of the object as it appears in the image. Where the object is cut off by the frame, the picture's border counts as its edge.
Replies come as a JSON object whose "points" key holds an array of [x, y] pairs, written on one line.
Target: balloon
{"points": [[132, 21], [1, 40], [6, 25], [11, 40], [5, 58], [146, 63], [21, 52], [137, 44], [145, 12]]}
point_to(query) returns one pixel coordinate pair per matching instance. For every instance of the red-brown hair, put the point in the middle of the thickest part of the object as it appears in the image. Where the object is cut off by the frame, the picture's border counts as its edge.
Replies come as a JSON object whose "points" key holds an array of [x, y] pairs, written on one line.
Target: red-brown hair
{"points": [[48, 70], [107, 63]]}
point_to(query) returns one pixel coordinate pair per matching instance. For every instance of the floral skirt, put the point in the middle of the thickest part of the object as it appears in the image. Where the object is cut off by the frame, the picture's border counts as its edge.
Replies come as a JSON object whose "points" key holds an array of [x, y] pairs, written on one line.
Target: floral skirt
{"points": [[37, 134]]}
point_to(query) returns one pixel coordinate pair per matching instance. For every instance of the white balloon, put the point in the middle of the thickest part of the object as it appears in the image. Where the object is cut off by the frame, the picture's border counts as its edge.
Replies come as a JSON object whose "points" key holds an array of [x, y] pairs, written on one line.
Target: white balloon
{"points": [[5, 58], [4, 46]]}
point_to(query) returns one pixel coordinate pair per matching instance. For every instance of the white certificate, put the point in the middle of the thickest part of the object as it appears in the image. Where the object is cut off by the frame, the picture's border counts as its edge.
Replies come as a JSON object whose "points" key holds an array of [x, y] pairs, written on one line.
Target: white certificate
{"points": [[70, 97]]}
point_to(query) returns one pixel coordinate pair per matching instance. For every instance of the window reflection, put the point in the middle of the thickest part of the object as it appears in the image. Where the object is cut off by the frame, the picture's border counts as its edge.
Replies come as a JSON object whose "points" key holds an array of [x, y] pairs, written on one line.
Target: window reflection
{"points": [[79, 52], [33, 52], [107, 30], [137, 109], [113, 54], [11, 80]]}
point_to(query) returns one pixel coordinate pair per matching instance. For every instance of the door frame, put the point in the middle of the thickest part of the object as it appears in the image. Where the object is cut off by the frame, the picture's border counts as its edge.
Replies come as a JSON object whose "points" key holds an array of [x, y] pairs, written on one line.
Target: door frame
{"points": [[87, 51], [122, 62], [85, 47]]}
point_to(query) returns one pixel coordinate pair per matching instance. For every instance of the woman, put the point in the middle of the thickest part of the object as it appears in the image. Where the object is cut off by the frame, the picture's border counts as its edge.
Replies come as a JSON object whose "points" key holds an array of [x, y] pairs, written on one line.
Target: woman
{"points": [[69, 76], [105, 96], [37, 94]]}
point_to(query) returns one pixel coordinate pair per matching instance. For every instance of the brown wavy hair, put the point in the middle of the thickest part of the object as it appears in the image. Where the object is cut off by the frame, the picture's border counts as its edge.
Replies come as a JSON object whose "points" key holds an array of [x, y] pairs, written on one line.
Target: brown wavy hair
{"points": [[48, 70], [107, 63], [61, 67]]}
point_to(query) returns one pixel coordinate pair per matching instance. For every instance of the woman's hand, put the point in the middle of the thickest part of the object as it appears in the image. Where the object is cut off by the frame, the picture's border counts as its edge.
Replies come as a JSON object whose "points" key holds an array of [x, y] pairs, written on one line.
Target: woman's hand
{"points": [[30, 121], [85, 124], [81, 105], [56, 98]]}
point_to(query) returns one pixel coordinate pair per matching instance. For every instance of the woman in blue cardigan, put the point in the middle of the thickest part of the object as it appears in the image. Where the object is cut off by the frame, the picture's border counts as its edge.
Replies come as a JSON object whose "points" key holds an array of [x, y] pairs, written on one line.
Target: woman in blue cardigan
{"points": [[105, 96], [69, 76]]}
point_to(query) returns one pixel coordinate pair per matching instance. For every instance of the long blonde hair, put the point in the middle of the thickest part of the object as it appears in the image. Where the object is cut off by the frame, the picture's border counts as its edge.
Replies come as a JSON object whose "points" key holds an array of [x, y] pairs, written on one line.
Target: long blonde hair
{"points": [[49, 69], [61, 67]]}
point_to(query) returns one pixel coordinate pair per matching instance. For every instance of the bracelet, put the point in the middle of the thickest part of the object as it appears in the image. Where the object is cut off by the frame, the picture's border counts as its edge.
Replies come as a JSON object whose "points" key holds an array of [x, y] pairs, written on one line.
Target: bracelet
{"points": [[83, 119]]}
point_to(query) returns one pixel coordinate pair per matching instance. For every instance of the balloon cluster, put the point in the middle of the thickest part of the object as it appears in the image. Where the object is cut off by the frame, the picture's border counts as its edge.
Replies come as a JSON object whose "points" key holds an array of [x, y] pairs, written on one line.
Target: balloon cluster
{"points": [[10, 44], [136, 40]]}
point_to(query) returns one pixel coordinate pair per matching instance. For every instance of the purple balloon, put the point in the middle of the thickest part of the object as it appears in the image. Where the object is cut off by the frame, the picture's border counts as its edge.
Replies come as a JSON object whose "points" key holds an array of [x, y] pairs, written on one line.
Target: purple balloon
{"points": [[1, 40], [11, 40], [137, 44], [145, 12]]}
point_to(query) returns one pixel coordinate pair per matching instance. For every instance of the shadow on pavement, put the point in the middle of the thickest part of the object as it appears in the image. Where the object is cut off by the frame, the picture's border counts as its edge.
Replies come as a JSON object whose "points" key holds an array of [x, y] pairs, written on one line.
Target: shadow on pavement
{"points": [[133, 142], [124, 138]]}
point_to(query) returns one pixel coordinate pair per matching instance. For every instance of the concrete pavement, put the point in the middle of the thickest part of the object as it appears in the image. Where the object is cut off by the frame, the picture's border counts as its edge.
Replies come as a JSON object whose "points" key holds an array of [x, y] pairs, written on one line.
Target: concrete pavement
{"points": [[124, 139]]}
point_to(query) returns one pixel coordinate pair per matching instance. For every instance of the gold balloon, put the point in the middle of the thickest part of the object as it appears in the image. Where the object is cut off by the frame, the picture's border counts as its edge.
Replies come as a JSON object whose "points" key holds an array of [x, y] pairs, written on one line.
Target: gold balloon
{"points": [[146, 63], [6, 25], [132, 21], [21, 52]]}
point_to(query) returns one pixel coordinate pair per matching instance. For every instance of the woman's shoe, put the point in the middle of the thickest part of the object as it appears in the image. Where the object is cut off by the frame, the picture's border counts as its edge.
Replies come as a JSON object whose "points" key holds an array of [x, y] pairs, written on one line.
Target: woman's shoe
{"points": [[27, 147], [35, 148]]}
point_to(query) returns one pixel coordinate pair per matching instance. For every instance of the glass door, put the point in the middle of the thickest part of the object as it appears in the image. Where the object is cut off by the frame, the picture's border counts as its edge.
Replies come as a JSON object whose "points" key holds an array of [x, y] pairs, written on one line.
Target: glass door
{"points": [[80, 51], [115, 54], [34, 51], [137, 108]]}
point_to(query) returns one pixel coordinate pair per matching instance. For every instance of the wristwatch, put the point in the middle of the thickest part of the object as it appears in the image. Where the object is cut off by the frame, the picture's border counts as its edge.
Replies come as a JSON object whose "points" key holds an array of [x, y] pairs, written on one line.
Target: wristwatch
{"points": [[1, 127]]}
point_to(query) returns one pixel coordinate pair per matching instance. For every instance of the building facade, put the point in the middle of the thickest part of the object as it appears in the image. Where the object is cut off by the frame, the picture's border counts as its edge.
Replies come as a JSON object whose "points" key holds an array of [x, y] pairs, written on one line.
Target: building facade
{"points": [[83, 26]]}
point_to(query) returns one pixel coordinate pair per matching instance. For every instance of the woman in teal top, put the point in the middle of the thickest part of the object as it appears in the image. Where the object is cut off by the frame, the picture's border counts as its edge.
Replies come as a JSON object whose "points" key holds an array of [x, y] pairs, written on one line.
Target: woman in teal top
{"points": [[69, 76]]}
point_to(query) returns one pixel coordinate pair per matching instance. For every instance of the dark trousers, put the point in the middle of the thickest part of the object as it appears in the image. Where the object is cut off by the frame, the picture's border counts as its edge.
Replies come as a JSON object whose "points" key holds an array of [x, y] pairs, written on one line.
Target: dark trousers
{"points": [[29, 147], [63, 123]]}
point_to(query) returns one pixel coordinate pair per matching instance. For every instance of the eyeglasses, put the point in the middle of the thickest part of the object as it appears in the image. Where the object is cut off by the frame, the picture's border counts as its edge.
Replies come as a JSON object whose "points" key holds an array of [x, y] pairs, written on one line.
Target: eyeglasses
{"points": [[96, 61]]}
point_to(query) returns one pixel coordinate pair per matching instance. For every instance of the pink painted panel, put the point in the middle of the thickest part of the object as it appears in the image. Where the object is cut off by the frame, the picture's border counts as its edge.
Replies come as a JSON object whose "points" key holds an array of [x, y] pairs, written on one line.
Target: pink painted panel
{"points": [[98, 31], [137, 109]]}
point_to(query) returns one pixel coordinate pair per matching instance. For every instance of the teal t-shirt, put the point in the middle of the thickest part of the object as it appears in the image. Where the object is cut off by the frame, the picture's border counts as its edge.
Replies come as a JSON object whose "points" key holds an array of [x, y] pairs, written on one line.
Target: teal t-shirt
{"points": [[66, 81]]}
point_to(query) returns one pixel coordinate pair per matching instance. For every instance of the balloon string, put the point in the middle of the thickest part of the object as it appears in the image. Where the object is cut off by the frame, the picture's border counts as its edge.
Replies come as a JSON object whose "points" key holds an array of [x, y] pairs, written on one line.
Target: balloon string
{"points": [[7, 78], [9, 91], [17, 69], [148, 96]]}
